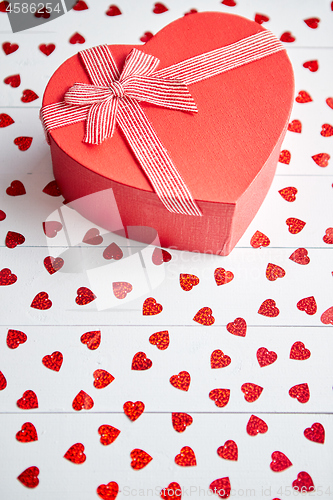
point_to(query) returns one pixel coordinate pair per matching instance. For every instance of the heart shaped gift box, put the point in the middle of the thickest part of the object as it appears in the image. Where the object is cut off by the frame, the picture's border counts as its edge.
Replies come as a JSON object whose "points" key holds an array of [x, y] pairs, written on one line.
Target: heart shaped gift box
{"points": [[226, 153]]}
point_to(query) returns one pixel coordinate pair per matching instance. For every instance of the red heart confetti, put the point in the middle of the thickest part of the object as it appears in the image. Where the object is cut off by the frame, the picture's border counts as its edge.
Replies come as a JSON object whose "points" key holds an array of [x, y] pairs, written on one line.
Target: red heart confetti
{"points": [[52, 265], [229, 451], [80, 5], [279, 462], [288, 193], [299, 352], [3, 382], [91, 339], [53, 361], [28, 401], [29, 96], [108, 491], [15, 338], [42, 12], [16, 188], [259, 240], [84, 296], [113, 251], [52, 189], [307, 305], [139, 459], [256, 426], [27, 434], [141, 362], [321, 159], [313, 66], [295, 126], [29, 477], [159, 256], [300, 256], [261, 18], [312, 22], [51, 228], [9, 48], [251, 391], [265, 357], [268, 308], [13, 239], [327, 130], [303, 483], [108, 434], [229, 3], [13, 80], [328, 237], [188, 281], [273, 272], [5, 120], [171, 492], [329, 102], [285, 157], [160, 339], [222, 277], [76, 38], [113, 10], [82, 401], [219, 360], [76, 454], [102, 379], [287, 37], [181, 381], [204, 316], [121, 289], [315, 433], [220, 397], [146, 36], [303, 97], [221, 487], [133, 410], [159, 8], [295, 225], [47, 49], [327, 316], [92, 237], [2, 215], [4, 6], [151, 307], [237, 327], [7, 277], [23, 143], [186, 457], [41, 301], [180, 421], [300, 392]]}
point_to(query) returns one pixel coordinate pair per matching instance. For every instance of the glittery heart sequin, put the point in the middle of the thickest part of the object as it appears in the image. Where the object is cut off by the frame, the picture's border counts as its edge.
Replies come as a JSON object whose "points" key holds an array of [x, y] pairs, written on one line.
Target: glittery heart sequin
{"points": [[91, 339], [29, 95], [13, 239], [102, 379], [188, 281], [76, 454], [308, 305], [41, 301], [220, 397], [328, 237], [288, 193], [76, 38], [159, 8], [82, 401], [53, 361], [16, 188], [303, 483], [47, 49], [113, 10], [285, 157], [327, 316], [329, 102], [139, 459], [146, 36], [204, 316], [279, 461], [141, 362], [108, 434], [237, 327], [300, 392], [268, 308], [5, 120], [295, 126], [186, 457], [159, 256], [108, 491], [251, 391], [29, 477], [7, 277], [133, 410], [295, 225], [300, 256], [273, 272], [13, 80], [51, 228], [315, 433], [229, 3], [80, 5], [151, 307], [28, 401], [287, 37], [181, 381], [312, 22], [84, 296], [261, 18], [23, 143], [121, 289], [303, 97], [171, 492], [259, 240], [160, 339], [326, 130], [221, 487], [256, 425], [321, 159], [52, 189], [9, 48], [2, 215], [222, 276], [3, 382], [312, 66], [92, 237], [27, 434], [180, 421], [266, 357], [113, 251], [299, 352], [219, 360], [229, 451], [52, 265]]}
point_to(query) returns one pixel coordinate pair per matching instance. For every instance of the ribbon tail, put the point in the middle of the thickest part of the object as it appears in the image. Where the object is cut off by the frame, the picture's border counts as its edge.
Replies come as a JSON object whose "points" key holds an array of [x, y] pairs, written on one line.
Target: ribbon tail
{"points": [[101, 121], [61, 114], [155, 160]]}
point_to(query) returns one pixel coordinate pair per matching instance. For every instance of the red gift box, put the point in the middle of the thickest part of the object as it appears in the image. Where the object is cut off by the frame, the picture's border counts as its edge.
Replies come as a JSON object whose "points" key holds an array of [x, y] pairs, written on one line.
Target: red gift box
{"points": [[226, 153]]}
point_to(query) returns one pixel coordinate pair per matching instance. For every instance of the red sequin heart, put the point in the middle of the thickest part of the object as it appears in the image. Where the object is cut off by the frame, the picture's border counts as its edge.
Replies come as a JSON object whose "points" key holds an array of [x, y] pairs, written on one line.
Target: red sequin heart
{"points": [[255, 426], [222, 277], [15, 338], [141, 362], [146, 36], [273, 272], [328, 237], [259, 240], [13, 80], [80, 5], [29, 96], [121, 289], [312, 22], [295, 126], [327, 316], [108, 491], [159, 8], [308, 305], [27, 434], [220, 397], [84, 296], [229, 451], [13, 239], [160, 339], [329, 102], [221, 487], [9, 48], [288, 194], [4, 6], [268, 308], [285, 157], [52, 189], [133, 410], [113, 10], [180, 421], [287, 37], [28, 401], [51, 228], [295, 225], [303, 483], [300, 392], [261, 18], [139, 459], [311, 65], [237, 327], [266, 357], [16, 188], [47, 49], [91, 339], [102, 379], [5, 120], [321, 159], [327, 130], [151, 307], [113, 252], [76, 454], [204, 316], [52, 265], [303, 97], [82, 401], [7, 277], [53, 361], [171, 492], [188, 281], [229, 3], [76, 38], [42, 13], [315, 433], [3, 382], [92, 237], [186, 457], [41, 301], [251, 391], [108, 434], [219, 360], [159, 256], [2, 215], [299, 352], [181, 381], [279, 462], [300, 256], [29, 477], [23, 143]]}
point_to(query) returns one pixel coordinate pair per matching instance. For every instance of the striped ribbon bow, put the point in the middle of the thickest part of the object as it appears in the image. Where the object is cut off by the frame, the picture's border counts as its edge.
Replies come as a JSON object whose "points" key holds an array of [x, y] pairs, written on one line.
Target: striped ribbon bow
{"points": [[114, 97]]}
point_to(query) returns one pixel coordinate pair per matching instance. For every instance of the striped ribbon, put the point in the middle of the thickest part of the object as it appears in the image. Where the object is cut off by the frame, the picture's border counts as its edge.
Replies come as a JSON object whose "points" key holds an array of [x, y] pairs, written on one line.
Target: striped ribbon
{"points": [[114, 97]]}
